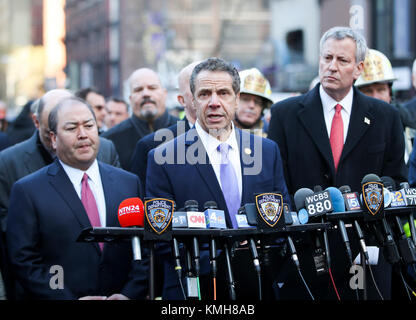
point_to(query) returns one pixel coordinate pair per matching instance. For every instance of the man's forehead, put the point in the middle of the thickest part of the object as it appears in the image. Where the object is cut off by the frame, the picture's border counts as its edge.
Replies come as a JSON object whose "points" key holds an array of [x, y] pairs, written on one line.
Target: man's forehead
{"points": [[145, 77], [346, 45], [74, 110], [208, 78]]}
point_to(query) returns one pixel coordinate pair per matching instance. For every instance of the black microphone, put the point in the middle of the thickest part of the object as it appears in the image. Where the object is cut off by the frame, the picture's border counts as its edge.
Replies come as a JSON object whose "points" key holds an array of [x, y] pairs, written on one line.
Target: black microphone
{"points": [[339, 206], [318, 189], [372, 195], [212, 244], [192, 206], [300, 206], [351, 199]]}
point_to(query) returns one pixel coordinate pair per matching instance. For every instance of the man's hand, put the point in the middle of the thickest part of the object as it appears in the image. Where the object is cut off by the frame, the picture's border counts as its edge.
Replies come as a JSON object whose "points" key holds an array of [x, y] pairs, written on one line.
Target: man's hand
{"points": [[118, 296], [93, 298]]}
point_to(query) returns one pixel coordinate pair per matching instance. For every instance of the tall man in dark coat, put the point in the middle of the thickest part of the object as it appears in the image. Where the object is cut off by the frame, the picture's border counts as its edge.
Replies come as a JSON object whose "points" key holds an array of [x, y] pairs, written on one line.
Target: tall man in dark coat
{"points": [[148, 103], [49, 209], [370, 133], [152, 140]]}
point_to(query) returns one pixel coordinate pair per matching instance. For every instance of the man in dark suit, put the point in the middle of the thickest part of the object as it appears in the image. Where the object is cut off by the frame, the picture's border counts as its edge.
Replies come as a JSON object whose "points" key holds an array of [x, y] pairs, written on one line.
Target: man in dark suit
{"points": [[49, 208], [151, 141], [193, 165], [334, 135], [33, 154], [148, 103]]}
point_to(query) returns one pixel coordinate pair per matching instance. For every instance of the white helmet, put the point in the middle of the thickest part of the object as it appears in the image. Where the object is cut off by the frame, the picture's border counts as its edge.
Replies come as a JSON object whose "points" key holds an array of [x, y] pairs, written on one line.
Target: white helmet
{"points": [[253, 82], [377, 68]]}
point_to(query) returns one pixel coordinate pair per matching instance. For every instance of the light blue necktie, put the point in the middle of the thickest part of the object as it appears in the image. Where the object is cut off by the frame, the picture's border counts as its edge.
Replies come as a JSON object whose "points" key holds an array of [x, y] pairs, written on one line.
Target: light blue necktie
{"points": [[229, 184]]}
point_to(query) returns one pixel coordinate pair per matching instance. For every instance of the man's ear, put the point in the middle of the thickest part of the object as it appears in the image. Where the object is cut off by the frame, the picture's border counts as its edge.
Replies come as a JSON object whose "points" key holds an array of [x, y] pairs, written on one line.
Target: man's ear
{"points": [[52, 135], [181, 100], [358, 70], [35, 121]]}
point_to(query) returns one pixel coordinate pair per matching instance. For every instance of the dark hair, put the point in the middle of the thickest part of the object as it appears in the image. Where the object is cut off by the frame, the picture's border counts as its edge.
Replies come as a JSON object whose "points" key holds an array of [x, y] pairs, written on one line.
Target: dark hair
{"points": [[216, 64], [119, 100], [83, 93], [53, 116]]}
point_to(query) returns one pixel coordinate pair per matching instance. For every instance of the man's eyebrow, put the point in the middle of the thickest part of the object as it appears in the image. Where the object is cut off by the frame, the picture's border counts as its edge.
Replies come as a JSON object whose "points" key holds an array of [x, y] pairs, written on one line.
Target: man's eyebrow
{"points": [[76, 122]]}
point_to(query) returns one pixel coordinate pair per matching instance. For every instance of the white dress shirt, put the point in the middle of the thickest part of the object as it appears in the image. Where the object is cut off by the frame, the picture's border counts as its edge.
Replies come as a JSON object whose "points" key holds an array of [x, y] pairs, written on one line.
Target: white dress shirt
{"points": [[329, 104], [94, 181], [211, 144]]}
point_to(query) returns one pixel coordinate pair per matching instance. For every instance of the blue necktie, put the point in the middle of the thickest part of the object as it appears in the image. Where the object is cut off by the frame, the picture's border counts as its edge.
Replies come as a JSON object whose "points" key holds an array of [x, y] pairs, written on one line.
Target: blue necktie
{"points": [[229, 184]]}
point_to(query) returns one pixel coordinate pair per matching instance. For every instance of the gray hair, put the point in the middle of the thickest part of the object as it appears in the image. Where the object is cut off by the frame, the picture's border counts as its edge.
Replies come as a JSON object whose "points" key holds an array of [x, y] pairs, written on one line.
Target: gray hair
{"points": [[53, 116], [216, 64], [34, 107], [340, 33]]}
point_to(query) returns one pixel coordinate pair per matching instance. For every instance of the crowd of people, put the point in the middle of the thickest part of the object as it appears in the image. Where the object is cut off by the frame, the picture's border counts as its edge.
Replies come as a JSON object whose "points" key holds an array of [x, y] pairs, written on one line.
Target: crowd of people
{"points": [[83, 154]]}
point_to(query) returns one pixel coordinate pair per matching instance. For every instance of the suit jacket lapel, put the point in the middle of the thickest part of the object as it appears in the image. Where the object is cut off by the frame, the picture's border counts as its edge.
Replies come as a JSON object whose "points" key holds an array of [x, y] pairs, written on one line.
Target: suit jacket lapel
{"points": [[360, 120], [313, 121], [205, 169], [245, 145], [63, 186]]}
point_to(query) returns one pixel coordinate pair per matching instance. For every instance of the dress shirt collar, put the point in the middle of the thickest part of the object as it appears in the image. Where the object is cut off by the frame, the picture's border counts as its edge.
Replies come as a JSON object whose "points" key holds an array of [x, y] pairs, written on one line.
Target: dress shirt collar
{"points": [[75, 175], [329, 103], [211, 144]]}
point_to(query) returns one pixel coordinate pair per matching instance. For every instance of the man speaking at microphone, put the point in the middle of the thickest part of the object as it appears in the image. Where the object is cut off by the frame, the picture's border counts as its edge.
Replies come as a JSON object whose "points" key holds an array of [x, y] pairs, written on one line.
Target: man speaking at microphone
{"points": [[49, 209], [214, 161], [334, 135]]}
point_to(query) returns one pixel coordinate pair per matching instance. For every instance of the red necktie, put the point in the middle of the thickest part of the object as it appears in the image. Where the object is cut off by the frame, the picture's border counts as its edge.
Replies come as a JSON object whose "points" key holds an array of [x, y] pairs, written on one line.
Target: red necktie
{"points": [[88, 200], [337, 135]]}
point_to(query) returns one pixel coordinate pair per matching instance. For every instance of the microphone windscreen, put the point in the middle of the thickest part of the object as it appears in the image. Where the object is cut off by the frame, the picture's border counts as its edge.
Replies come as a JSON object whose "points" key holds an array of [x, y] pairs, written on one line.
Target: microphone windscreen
{"points": [[338, 202], [317, 189], [300, 197], [389, 183], [210, 205], [404, 185], [191, 205], [371, 177], [345, 189], [131, 213]]}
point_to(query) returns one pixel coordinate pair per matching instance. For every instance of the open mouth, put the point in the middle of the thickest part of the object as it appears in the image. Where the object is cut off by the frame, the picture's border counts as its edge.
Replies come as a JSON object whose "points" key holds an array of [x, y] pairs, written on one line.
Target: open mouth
{"points": [[215, 117]]}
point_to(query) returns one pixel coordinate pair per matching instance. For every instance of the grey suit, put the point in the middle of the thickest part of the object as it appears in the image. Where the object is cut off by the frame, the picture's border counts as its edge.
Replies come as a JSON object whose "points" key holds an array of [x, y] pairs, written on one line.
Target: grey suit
{"points": [[29, 156]]}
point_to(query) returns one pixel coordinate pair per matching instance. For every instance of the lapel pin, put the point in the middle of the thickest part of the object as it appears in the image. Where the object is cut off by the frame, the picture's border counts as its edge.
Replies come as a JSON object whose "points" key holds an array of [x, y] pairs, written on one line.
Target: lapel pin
{"points": [[367, 121], [247, 151]]}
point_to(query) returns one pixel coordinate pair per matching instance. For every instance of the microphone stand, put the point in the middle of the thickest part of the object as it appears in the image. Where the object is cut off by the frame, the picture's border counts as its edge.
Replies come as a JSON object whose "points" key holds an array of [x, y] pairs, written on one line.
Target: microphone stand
{"points": [[231, 284], [363, 256], [213, 262], [152, 270]]}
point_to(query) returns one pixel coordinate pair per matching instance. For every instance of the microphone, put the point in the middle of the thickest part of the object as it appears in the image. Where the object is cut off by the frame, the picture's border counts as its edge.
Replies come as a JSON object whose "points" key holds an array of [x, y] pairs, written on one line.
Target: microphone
{"points": [[351, 199], [191, 207], [212, 205], [131, 214], [215, 219], [196, 219], [299, 198], [338, 204], [372, 196]]}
